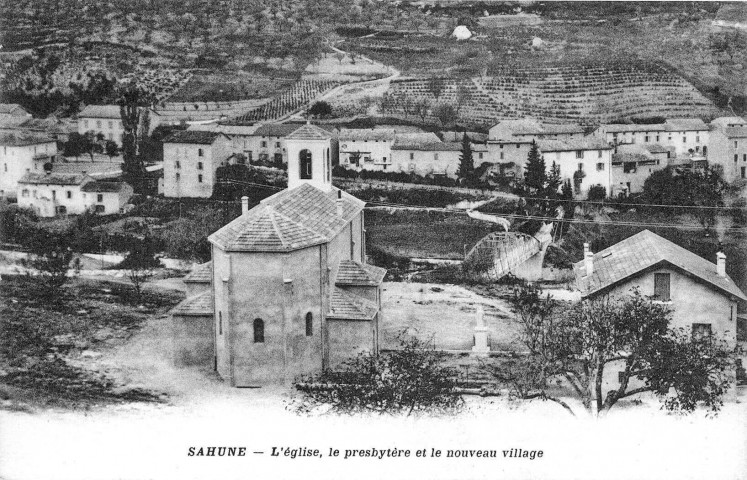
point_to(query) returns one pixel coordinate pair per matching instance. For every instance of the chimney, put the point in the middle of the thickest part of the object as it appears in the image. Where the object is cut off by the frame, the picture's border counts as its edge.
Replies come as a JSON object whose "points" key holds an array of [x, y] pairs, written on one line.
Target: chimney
{"points": [[339, 203], [244, 205], [588, 260], [721, 264]]}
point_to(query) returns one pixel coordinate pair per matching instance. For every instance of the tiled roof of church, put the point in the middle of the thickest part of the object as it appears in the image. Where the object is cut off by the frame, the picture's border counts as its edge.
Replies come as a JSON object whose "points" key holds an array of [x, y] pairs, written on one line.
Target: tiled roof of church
{"points": [[354, 273], [199, 305], [348, 306], [289, 220], [309, 132], [200, 274]]}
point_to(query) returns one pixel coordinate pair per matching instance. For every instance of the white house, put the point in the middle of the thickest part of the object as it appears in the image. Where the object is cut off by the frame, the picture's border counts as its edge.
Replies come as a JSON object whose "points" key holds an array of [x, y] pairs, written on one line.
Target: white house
{"points": [[728, 144], [427, 158], [106, 119], [509, 142], [22, 152], [106, 197], [632, 164], [374, 149], [190, 161], [586, 161], [52, 194], [687, 135]]}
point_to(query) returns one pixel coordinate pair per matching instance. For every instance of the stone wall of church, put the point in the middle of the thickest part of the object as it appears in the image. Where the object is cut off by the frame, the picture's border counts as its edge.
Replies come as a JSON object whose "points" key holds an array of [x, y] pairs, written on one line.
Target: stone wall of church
{"points": [[348, 338], [193, 340]]}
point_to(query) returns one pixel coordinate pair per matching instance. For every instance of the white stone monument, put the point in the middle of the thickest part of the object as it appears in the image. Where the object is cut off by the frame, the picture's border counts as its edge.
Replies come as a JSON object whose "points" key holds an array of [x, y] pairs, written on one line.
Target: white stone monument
{"points": [[482, 347]]}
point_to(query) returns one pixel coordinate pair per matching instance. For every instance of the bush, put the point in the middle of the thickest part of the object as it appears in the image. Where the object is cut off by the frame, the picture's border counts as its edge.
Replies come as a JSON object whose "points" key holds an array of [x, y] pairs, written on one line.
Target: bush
{"points": [[597, 193]]}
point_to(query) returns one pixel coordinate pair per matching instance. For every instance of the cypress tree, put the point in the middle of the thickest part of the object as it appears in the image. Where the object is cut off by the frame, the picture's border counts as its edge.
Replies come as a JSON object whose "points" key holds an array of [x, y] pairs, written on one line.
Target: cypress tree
{"points": [[535, 175], [466, 164]]}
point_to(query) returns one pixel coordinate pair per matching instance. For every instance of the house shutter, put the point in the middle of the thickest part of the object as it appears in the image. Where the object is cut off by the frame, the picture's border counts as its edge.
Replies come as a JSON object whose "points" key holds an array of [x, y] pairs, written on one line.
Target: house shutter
{"points": [[661, 286]]}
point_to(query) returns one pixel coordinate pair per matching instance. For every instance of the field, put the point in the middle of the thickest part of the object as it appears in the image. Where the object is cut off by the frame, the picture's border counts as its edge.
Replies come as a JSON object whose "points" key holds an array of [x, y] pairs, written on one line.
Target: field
{"points": [[44, 342], [424, 234], [226, 86]]}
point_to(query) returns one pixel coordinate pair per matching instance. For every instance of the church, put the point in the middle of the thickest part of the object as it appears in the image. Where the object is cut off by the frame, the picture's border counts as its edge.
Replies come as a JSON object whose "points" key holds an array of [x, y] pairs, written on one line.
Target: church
{"points": [[288, 291]]}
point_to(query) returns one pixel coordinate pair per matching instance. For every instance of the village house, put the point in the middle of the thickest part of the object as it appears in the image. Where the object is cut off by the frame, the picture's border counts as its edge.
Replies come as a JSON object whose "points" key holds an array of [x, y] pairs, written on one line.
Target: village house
{"points": [[107, 120], [22, 152], [509, 142], [51, 194], [585, 161], [12, 113], [729, 147], [703, 299], [427, 158], [107, 196], [372, 149], [632, 164], [190, 161], [289, 292], [688, 136]]}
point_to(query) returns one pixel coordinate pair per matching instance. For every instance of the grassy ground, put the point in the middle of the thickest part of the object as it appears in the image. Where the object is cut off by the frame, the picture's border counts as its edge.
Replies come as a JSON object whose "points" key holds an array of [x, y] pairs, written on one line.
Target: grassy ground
{"points": [[44, 338], [424, 234]]}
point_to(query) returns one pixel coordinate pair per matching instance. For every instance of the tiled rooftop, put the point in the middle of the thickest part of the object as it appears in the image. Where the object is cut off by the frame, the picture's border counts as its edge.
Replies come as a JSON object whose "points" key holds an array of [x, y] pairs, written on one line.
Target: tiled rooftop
{"points": [[572, 144], [366, 134], [200, 274], [53, 178], [275, 130], [193, 136], [309, 132], [429, 146], [104, 186], [348, 306], [100, 111], [685, 124], [736, 132], [631, 256], [289, 220], [22, 138], [199, 305], [358, 274]]}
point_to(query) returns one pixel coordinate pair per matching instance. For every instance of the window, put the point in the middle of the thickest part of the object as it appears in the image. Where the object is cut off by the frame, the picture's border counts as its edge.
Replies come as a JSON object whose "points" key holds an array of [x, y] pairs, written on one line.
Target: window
{"points": [[69, 194], [85, 122], [259, 330], [435, 156], [657, 138], [178, 164], [661, 286], [383, 159], [199, 165], [501, 155], [178, 177], [684, 139], [264, 144], [412, 156], [579, 154], [697, 138], [54, 194], [647, 138], [309, 324], [736, 157], [701, 331], [99, 197], [304, 163], [744, 172], [111, 124], [199, 178], [580, 167], [736, 144], [501, 145], [99, 209], [98, 123], [35, 193], [220, 323], [600, 167], [24, 192], [629, 167], [277, 144], [599, 154], [744, 157], [200, 152], [518, 146], [479, 155]]}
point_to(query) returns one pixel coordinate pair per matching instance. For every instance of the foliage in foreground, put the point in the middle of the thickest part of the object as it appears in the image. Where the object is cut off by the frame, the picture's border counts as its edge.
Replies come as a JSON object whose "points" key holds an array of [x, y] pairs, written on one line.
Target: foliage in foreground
{"points": [[410, 380], [630, 335]]}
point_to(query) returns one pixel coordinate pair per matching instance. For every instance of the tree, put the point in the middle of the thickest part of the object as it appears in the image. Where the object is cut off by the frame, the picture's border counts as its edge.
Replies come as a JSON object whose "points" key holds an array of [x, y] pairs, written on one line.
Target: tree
{"points": [[340, 56], [75, 145], [412, 379], [535, 172], [466, 170], [630, 335], [51, 254], [320, 109], [597, 193], [89, 143], [445, 113], [422, 107], [132, 100], [111, 149], [141, 262], [436, 86]]}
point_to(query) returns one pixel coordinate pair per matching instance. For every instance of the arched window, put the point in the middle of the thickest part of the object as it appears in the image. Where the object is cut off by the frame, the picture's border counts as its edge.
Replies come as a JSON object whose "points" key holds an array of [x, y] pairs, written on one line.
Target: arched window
{"points": [[304, 164], [259, 330], [309, 324]]}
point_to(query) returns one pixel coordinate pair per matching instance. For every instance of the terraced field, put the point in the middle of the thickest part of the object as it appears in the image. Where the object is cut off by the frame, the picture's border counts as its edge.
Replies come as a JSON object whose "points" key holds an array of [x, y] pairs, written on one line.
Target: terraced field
{"points": [[287, 102], [587, 94]]}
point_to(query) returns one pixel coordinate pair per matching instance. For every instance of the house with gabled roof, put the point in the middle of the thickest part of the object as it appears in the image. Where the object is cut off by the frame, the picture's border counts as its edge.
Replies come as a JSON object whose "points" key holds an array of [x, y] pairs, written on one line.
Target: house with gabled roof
{"points": [[107, 120], [290, 292], [701, 295], [190, 162]]}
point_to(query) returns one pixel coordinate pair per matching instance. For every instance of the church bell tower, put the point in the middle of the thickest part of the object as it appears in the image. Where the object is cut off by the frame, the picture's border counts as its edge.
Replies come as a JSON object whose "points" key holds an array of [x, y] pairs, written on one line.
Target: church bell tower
{"points": [[311, 154]]}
